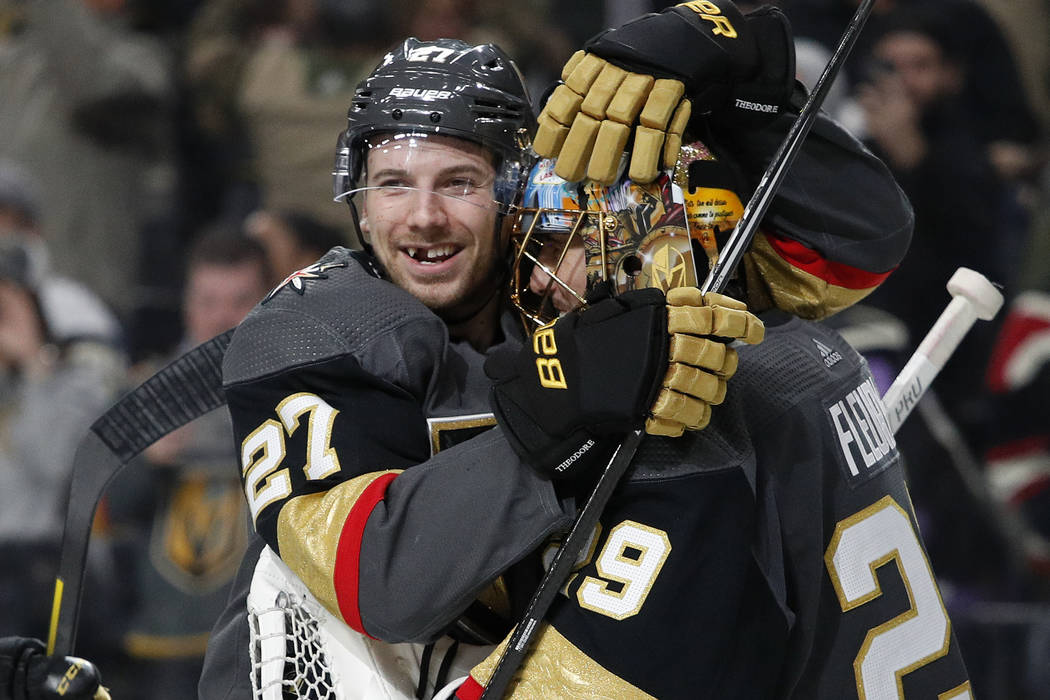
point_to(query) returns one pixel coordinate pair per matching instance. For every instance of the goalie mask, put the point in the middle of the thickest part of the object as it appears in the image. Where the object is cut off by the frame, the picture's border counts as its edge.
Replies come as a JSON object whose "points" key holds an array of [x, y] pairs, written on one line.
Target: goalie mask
{"points": [[569, 237], [440, 88]]}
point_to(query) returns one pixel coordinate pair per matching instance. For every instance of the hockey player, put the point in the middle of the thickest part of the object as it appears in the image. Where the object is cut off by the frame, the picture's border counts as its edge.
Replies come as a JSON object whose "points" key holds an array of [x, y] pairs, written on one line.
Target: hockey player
{"points": [[775, 554], [363, 378], [356, 379]]}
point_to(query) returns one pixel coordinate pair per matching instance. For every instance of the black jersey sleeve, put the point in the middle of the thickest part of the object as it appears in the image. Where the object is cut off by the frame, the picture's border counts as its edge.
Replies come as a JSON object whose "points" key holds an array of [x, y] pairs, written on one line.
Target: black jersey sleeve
{"points": [[821, 247], [817, 204]]}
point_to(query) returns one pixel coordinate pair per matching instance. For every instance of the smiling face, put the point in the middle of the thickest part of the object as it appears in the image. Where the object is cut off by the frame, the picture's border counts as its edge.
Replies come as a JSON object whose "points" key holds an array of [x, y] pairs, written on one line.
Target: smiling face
{"points": [[429, 215]]}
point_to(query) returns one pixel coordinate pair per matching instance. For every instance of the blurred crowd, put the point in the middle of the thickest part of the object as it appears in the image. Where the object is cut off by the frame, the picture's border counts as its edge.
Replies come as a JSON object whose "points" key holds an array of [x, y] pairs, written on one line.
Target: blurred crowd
{"points": [[164, 163]]}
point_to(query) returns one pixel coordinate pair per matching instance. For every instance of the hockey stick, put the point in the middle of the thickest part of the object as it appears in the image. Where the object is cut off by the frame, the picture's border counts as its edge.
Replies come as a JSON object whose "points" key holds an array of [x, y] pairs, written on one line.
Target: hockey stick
{"points": [[973, 297], [728, 260], [186, 389]]}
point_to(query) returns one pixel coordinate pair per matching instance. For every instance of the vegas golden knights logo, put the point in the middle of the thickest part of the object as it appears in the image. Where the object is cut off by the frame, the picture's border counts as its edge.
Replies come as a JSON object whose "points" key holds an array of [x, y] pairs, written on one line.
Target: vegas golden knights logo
{"points": [[201, 534], [669, 268]]}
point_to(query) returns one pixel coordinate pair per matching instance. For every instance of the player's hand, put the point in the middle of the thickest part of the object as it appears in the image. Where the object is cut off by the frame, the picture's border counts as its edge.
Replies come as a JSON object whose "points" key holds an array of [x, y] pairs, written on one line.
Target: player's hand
{"points": [[28, 673], [651, 74], [580, 384], [700, 359]]}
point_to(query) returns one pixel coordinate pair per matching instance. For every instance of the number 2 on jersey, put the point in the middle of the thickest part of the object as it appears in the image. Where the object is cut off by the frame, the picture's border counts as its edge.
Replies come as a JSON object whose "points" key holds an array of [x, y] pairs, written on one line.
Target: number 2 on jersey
{"points": [[863, 542]]}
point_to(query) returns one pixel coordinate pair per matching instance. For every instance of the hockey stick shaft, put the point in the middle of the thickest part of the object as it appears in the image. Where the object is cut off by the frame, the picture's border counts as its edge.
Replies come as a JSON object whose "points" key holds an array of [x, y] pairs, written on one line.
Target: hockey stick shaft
{"points": [[187, 388], [739, 241], [728, 260], [973, 297]]}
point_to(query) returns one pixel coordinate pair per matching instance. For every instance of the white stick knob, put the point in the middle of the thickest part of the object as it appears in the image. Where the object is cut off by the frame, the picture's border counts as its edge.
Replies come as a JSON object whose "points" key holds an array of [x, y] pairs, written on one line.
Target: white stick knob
{"points": [[973, 297]]}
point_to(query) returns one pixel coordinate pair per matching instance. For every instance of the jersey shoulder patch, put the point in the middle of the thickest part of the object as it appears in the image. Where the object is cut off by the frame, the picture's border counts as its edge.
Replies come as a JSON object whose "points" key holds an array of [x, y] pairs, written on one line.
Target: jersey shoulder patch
{"points": [[343, 308]]}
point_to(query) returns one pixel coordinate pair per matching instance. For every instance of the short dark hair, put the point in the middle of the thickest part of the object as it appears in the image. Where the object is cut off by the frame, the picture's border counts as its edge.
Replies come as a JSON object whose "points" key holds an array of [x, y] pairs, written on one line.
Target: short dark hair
{"points": [[310, 233], [930, 22], [221, 245]]}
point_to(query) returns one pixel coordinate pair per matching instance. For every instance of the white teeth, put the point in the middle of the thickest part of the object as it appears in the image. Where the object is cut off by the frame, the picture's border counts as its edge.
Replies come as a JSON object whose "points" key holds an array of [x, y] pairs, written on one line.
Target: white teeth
{"points": [[430, 254]]}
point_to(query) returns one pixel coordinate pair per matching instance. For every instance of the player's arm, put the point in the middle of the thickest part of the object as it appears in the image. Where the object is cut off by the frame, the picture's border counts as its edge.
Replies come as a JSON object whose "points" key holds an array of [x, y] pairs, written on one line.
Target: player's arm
{"points": [[474, 510], [28, 673], [394, 542], [325, 451], [400, 552], [696, 70]]}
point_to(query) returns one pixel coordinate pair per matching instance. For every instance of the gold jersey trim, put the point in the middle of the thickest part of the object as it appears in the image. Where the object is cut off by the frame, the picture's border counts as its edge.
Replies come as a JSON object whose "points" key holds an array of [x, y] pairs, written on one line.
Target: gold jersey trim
{"points": [[440, 426], [556, 668], [152, 646], [308, 531], [774, 282]]}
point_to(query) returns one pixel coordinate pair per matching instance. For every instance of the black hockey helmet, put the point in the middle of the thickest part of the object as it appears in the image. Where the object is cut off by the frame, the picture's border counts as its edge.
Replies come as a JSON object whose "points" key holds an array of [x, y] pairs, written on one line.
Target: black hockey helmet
{"points": [[445, 87]]}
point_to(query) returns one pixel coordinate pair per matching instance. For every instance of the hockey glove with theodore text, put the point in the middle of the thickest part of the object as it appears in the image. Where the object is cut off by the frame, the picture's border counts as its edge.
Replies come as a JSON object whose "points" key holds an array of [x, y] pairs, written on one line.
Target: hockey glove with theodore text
{"points": [[28, 673], [568, 397], [652, 74]]}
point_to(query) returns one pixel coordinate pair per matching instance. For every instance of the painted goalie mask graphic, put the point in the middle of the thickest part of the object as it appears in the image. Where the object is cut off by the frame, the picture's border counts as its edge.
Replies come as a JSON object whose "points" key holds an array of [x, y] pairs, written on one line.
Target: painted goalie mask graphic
{"points": [[659, 234]]}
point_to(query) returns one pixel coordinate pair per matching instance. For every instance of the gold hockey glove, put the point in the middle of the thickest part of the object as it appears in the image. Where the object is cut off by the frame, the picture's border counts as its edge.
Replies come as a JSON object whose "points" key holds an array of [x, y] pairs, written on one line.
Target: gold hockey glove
{"points": [[588, 119], [699, 356], [652, 74]]}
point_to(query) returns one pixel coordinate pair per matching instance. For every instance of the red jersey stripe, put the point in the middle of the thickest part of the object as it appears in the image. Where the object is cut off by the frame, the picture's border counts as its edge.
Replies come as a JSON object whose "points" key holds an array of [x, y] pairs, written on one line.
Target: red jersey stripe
{"points": [[348, 553], [470, 690], [809, 260]]}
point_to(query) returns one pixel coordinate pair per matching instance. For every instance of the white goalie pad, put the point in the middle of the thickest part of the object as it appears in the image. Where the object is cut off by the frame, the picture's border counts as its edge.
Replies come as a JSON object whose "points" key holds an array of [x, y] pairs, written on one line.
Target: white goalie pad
{"points": [[300, 650]]}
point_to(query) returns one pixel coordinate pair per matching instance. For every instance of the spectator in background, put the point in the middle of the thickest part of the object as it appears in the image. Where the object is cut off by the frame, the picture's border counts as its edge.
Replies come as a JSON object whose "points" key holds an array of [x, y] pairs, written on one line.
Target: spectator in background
{"points": [[73, 311], [180, 511], [1025, 25], [1018, 458], [86, 108], [59, 369], [1005, 122], [539, 46], [292, 240], [920, 124], [267, 82], [269, 79]]}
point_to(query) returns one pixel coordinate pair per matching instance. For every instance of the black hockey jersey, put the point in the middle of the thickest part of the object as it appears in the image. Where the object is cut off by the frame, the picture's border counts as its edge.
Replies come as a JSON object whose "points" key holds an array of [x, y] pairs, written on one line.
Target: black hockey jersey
{"points": [[337, 383], [773, 554]]}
